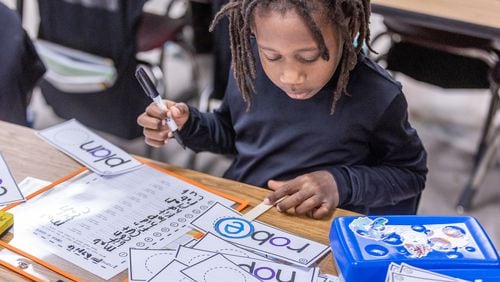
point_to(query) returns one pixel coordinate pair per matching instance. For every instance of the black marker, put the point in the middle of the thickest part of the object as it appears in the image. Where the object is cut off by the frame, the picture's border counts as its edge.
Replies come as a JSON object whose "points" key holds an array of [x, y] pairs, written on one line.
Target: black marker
{"points": [[152, 93]]}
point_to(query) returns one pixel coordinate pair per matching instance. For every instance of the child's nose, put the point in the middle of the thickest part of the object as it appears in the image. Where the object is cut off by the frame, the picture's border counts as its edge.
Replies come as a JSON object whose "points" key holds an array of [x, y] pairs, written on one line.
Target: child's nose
{"points": [[292, 75]]}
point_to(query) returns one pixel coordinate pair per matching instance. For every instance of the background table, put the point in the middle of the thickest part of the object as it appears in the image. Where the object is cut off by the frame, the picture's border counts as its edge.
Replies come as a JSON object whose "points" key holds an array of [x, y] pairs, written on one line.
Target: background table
{"points": [[27, 155], [477, 18]]}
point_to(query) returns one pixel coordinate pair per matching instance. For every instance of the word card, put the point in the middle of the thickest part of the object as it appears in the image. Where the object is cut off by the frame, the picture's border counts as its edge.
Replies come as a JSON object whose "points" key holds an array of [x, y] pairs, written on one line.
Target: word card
{"points": [[88, 148], [212, 243], [407, 273], [9, 191], [259, 237], [263, 269]]}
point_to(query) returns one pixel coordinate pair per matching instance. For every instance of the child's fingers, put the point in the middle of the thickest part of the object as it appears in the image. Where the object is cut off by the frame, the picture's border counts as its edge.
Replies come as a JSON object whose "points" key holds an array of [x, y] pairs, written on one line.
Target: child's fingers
{"points": [[180, 109], [155, 143], [154, 111], [170, 103], [281, 189], [148, 121], [322, 212], [294, 199], [308, 205], [156, 135], [275, 184]]}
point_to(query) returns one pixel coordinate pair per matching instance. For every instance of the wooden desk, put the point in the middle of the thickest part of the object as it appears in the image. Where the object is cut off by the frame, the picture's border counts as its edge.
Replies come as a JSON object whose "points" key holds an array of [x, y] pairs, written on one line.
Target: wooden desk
{"points": [[479, 18], [28, 155]]}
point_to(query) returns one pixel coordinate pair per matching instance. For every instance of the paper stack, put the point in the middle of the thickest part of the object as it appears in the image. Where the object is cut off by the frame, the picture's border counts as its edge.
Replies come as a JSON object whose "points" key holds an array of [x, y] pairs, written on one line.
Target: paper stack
{"points": [[74, 71], [232, 249]]}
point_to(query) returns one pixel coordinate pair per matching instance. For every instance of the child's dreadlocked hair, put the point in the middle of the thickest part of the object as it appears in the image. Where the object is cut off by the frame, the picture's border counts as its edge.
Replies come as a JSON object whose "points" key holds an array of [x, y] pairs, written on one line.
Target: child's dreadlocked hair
{"points": [[351, 17]]}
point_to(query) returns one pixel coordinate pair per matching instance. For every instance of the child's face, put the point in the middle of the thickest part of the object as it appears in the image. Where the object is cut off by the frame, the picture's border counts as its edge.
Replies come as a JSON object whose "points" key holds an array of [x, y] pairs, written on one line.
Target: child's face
{"points": [[290, 56]]}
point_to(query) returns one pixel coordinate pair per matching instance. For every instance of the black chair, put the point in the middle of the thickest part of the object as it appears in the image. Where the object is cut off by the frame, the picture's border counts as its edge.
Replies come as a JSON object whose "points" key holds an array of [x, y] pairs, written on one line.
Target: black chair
{"points": [[449, 60], [157, 30]]}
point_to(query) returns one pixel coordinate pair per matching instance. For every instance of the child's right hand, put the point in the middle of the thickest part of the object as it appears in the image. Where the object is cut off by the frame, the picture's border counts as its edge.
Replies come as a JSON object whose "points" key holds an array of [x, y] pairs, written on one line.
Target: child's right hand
{"points": [[156, 131]]}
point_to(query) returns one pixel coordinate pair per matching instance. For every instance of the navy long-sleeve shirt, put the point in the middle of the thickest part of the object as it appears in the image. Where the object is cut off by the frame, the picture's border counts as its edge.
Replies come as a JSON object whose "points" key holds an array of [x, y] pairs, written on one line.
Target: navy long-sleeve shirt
{"points": [[375, 156]]}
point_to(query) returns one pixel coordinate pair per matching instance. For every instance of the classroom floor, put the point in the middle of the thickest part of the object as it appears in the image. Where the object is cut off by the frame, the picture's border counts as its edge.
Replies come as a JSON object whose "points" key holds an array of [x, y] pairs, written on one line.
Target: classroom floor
{"points": [[447, 121]]}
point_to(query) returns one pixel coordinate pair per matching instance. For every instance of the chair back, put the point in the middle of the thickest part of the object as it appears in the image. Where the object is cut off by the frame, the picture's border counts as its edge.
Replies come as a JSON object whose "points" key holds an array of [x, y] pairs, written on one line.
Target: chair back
{"points": [[439, 57]]}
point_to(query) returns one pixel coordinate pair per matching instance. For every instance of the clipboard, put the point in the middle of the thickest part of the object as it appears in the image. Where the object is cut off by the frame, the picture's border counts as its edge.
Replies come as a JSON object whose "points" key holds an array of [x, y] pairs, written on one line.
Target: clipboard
{"points": [[241, 204]]}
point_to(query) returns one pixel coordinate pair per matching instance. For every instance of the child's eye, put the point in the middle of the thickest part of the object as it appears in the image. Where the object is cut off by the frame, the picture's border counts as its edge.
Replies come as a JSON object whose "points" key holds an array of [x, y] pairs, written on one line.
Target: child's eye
{"points": [[273, 59], [308, 60]]}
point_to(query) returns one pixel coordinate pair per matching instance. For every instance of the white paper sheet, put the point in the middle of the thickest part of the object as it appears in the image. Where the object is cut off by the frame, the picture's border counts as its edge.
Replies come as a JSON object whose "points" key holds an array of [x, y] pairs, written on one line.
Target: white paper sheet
{"points": [[88, 148], [216, 269], [172, 273], [9, 191], [93, 220], [328, 278], [145, 263], [259, 237], [30, 185], [408, 273], [262, 269]]}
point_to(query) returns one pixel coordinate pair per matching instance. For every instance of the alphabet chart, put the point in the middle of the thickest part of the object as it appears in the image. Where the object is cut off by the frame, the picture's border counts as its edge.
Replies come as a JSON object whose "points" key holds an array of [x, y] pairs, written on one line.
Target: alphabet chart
{"points": [[93, 220], [88, 148], [259, 237], [9, 191]]}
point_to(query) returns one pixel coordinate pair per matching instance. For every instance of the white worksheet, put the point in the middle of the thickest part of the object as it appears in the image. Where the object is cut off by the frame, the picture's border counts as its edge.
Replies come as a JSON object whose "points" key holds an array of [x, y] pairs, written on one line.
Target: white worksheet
{"points": [[9, 191], [88, 148], [30, 185], [217, 268], [145, 263], [256, 236], [172, 273], [263, 269], [93, 220]]}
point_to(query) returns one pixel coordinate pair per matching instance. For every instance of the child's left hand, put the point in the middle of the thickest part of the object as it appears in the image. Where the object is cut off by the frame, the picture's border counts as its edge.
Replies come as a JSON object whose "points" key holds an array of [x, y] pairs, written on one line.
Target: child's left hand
{"points": [[313, 194]]}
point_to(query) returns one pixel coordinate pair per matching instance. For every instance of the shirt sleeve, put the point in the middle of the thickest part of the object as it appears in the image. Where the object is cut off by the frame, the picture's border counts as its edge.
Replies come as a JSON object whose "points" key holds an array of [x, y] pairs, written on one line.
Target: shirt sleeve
{"points": [[211, 132], [400, 169]]}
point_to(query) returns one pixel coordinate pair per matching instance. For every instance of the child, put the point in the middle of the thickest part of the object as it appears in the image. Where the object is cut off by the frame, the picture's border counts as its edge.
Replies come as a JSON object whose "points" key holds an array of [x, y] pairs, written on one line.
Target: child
{"points": [[20, 68], [307, 114]]}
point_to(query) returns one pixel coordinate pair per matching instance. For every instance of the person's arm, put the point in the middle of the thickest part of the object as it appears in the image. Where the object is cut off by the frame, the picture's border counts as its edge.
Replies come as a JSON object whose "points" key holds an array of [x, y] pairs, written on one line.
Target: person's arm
{"points": [[400, 171], [398, 174], [211, 132]]}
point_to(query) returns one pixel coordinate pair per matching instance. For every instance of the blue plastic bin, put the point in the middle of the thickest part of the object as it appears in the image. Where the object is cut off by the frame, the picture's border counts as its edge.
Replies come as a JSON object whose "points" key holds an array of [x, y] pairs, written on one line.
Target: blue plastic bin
{"points": [[364, 247]]}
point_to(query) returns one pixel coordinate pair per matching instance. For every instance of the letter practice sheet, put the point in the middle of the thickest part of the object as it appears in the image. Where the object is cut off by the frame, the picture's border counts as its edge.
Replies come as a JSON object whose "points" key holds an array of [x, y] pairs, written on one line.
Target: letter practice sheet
{"points": [[93, 221]]}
